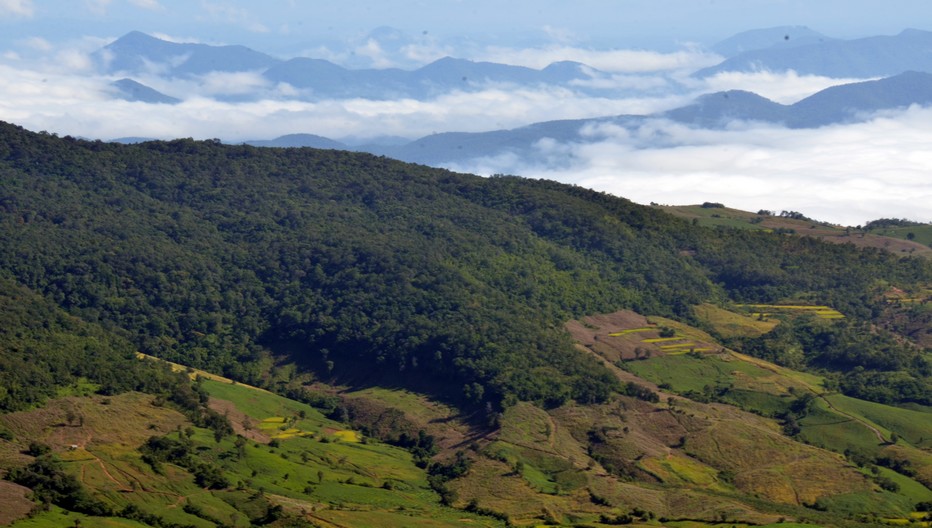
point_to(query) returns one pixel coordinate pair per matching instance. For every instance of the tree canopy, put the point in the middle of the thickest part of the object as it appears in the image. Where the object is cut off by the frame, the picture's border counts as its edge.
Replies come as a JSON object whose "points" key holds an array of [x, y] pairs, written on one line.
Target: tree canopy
{"points": [[355, 265]]}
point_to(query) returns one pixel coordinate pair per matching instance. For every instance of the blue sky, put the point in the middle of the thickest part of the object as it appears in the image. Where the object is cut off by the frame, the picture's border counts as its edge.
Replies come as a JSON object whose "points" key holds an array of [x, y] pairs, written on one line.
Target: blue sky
{"points": [[285, 26]]}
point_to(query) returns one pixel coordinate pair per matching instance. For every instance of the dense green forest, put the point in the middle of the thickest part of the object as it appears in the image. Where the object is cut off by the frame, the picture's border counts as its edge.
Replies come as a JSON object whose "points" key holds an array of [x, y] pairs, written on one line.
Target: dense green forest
{"points": [[366, 269]]}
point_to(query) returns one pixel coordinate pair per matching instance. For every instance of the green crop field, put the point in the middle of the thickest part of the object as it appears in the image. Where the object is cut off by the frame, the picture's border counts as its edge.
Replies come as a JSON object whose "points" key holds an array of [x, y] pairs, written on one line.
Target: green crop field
{"points": [[769, 310], [912, 426], [921, 234], [730, 324], [56, 517]]}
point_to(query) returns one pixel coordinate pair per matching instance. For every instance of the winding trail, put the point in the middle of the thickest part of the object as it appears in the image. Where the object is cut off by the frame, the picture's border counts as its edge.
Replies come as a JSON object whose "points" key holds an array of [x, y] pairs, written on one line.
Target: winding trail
{"points": [[816, 392], [877, 433]]}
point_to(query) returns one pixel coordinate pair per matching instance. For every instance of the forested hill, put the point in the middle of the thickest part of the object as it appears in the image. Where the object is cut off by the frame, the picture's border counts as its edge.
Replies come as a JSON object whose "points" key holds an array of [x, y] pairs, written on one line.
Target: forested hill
{"points": [[366, 268]]}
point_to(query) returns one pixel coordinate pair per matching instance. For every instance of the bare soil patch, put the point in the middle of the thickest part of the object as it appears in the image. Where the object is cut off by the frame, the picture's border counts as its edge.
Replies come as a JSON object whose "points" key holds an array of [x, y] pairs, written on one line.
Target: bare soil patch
{"points": [[14, 502], [594, 333], [243, 424]]}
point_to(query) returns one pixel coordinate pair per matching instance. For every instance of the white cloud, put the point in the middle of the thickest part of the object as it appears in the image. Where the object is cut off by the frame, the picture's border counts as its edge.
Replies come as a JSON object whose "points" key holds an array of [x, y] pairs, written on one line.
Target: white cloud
{"points": [[233, 15], [23, 8], [151, 5], [175, 39], [74, 60], [37, 43], [493, 108], [372, 50], [784, 87], [232, 83], [845, 174], [98, 7], [67, 57], [612, 61]]}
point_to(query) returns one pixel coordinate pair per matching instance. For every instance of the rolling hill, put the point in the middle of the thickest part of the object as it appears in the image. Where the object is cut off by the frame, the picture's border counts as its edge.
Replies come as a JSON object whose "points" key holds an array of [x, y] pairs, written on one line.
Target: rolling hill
{"points": [[435, 349]]}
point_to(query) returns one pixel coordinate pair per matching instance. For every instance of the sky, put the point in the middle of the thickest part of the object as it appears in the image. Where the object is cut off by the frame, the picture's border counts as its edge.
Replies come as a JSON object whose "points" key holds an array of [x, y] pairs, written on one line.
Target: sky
{"points": [[845, 174]]}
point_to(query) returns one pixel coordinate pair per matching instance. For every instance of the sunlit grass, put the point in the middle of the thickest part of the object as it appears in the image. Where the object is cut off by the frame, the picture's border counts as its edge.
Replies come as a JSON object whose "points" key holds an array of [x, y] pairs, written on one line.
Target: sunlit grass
{"points": [[633, 331], [768, 310]]}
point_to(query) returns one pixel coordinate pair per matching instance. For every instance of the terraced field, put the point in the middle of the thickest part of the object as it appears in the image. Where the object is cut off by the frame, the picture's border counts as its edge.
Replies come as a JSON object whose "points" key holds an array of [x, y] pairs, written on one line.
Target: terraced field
{"points": [[764, 311]]}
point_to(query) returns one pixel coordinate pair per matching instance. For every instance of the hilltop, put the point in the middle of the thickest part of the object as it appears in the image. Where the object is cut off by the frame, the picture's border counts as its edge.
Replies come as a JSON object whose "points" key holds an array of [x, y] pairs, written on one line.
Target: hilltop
{"points": [[535, 352]]}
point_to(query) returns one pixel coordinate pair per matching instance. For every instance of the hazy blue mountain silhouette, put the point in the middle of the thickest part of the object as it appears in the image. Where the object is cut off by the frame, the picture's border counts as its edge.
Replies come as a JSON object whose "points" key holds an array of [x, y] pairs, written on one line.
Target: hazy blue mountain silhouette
{"points": [[781, 37], [300, 140], [317, 78], [851, 102], [718, 109], [320, 78], [130, 90], [839, 104], [882, 56], [138, 52], [450, 147]]}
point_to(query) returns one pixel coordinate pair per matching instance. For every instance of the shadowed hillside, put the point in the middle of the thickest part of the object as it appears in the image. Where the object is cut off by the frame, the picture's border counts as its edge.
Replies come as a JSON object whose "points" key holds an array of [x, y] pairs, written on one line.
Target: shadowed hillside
{"points": [[429, 309]]}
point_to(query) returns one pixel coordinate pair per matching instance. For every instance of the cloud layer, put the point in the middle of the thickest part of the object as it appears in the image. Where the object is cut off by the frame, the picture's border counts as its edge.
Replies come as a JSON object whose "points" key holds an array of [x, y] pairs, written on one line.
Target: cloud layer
{"points": [[844, 174]]}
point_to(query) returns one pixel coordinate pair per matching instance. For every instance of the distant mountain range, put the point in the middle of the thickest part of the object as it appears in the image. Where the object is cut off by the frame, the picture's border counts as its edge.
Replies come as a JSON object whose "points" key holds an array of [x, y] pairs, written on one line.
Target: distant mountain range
{"points": [[796, 48], [130, 90], [836, 105], [781, 37], [140, 54], [902, 59], [137, 52], [860, 58]]}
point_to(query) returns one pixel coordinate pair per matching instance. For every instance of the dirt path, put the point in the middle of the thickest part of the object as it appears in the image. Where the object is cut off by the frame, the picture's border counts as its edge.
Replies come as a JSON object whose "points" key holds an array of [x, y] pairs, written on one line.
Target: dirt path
{"points": [[877, 433], [816, 392], [624, 375], [305, 508], [103, 467]]}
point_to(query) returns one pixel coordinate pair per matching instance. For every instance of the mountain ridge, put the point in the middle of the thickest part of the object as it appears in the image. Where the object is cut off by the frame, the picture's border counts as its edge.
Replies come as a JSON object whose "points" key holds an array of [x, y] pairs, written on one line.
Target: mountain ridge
{"points": [[879, 56], [842, 104], [581, 349]]}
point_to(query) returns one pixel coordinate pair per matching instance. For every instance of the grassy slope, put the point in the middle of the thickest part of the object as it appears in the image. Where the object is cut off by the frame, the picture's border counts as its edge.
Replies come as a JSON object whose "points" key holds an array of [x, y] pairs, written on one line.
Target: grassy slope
{"points": [[778, 468], [332, 475], [677, 458], [893, 239]]}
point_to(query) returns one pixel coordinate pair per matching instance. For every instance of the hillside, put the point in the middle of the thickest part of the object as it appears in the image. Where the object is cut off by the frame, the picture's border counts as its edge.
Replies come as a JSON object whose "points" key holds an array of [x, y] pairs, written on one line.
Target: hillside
{"points": [[903, 239], [389, 299]]}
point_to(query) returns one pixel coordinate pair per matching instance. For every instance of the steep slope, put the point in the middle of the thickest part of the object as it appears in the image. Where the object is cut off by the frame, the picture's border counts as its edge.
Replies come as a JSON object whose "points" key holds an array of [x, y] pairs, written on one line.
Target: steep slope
{"points": [[339, 278], [374, 270]]}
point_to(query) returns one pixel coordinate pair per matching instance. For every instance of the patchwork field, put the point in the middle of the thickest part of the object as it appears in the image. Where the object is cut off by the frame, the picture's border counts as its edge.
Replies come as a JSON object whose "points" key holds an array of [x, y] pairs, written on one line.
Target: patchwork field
{"points": [[765, 311], [709, 447]]}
